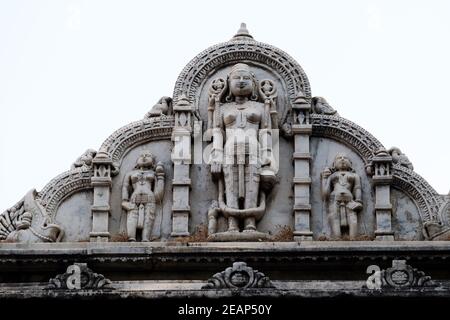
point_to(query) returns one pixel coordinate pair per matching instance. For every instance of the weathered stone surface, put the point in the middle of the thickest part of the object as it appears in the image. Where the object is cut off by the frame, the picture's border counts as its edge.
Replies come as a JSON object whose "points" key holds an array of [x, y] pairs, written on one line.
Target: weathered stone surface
{"points": [[79, 277], [239, 276], [241, 164]]}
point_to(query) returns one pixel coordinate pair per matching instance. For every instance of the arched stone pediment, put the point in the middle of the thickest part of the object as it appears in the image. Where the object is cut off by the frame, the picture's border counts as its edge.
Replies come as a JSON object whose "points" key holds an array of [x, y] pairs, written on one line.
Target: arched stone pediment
{"points": [[366, 145], [271, 91], [137, 133], [244, 50], [116, 146]]}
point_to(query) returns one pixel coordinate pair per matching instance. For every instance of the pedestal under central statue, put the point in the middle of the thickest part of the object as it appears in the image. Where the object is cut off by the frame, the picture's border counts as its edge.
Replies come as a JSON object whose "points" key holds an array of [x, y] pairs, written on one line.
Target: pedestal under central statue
{"points": [[241, 159]]}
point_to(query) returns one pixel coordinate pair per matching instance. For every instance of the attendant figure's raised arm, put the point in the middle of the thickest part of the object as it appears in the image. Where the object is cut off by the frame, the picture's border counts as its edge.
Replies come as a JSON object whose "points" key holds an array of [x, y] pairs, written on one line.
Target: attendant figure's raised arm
{"points": [[159, 183], [216, 159], [326, 183], [126, 190], [357, 193]]}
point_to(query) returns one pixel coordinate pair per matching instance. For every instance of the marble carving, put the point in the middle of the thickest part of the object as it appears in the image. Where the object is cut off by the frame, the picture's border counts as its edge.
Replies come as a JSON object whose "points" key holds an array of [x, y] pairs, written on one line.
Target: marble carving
{"points": [[242, 149], [142, 189]]}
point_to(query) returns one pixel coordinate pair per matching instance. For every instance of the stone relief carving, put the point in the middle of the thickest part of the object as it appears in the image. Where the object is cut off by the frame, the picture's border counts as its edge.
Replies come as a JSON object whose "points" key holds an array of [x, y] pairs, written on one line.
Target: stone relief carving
{"points": [[239, 276], [436, 230], [241, 159], [366, 145], [27, 221], [79, 277], [241, 47], [142, 189], [85, 160], [427, 199], [79, 177], [62, 186], [403, 276], [398, 157], [320, 106], [325, 121], [155, 128], [162, 107], [341, 189], [439, 230]]}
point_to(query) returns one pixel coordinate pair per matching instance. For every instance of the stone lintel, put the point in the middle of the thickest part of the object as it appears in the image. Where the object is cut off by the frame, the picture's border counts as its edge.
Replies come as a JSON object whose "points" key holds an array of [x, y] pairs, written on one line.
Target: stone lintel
{"points": [[380, 180], [303, 180], [101, 181], [302, 106], [181, 132], [302, 207], [181, 210], [100, 208], [301, 156], [302, 129], [184, 182], [386, 207], [380, 159]]}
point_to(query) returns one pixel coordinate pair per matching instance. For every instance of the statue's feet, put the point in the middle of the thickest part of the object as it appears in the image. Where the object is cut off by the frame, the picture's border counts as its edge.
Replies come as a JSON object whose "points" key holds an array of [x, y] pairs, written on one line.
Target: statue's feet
{"points": [[131, 239], [145, 240], [250, 229], [233, 230]]}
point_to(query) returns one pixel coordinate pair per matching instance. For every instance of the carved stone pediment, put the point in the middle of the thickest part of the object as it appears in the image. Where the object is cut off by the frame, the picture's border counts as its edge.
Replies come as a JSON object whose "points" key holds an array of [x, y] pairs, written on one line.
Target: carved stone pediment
{"points": [[241, 163], [79, 277], [401, 276], [239, 276]]}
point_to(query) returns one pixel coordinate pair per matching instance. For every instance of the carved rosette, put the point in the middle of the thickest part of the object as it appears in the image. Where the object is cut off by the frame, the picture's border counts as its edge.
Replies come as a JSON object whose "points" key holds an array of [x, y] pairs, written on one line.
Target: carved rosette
{"points": [[239, 276], [402, 275], [79, 277]]}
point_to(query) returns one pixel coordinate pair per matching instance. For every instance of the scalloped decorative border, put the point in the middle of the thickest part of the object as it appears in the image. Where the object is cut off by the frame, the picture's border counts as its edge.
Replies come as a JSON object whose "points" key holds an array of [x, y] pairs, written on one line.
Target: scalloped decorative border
{"points": [[222, 54], [116, 146], [426, 198], [189, 81]]}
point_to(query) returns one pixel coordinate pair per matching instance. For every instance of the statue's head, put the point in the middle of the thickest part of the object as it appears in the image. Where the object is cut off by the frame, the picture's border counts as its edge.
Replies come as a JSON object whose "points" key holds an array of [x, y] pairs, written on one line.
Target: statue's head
{"points": [[342, 162], [394, 151], [146, 160], [242, 82]]}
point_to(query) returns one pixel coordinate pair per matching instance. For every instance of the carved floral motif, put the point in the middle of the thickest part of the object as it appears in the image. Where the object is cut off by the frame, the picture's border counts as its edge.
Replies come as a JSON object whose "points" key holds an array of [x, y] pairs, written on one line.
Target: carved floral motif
{"points": [[79, 277], [239, 276]]}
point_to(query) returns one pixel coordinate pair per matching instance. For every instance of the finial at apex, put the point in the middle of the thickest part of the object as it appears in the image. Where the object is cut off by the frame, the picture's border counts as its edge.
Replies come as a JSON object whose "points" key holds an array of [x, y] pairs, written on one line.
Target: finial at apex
{"points": [[242, 33]]}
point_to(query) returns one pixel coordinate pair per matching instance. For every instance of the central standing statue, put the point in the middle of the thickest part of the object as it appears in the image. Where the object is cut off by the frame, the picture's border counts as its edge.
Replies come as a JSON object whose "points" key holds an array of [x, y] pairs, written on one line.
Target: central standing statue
{"points": [[241, 113]]}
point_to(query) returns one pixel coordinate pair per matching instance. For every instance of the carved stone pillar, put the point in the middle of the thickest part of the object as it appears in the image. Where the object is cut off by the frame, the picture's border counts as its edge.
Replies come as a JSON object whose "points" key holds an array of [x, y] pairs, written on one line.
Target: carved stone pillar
{"points": [[302, 129], [382, 180], [101, 183], [181, 157]]}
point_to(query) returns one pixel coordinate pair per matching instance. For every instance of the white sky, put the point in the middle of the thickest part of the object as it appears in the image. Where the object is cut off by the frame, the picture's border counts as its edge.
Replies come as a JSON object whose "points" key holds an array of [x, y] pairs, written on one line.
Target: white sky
{"points": [[72, 72]]}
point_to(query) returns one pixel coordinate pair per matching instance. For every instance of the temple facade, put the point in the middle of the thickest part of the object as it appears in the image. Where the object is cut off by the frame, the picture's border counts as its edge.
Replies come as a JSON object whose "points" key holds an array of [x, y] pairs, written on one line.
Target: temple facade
{"points": [[240, 184]]}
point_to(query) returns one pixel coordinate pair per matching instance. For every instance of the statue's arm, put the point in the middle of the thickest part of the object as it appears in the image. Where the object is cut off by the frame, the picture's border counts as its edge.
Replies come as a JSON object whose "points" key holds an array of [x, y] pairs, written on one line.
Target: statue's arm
{"points": [[216, 158], [326, 183], [126, 187], [159, 185], [357, 193], [265, 137]]}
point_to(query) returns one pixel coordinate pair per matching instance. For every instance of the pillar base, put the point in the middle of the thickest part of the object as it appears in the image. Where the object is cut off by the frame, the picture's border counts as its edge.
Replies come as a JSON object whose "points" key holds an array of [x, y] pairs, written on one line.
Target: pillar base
{"points": [[384, 235], [303, 236], [99, 236]]}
